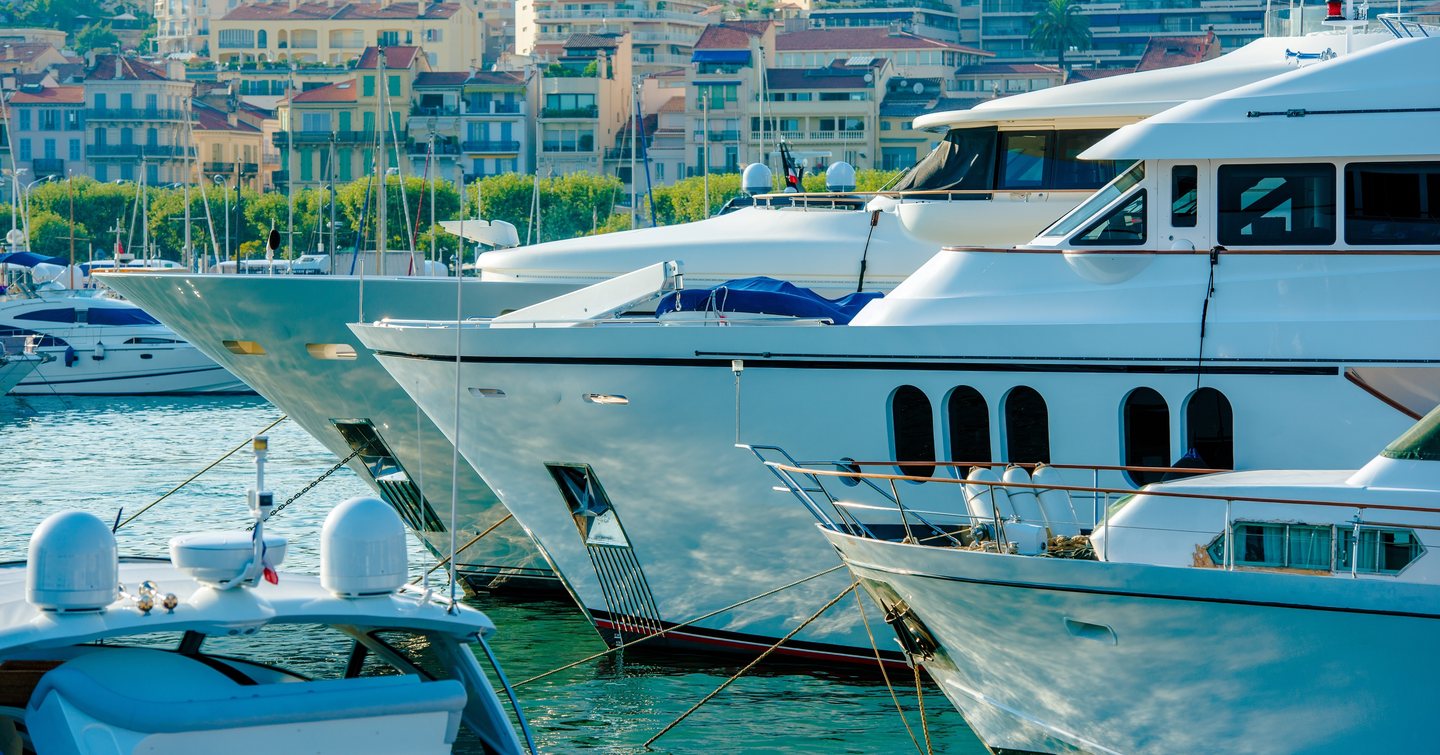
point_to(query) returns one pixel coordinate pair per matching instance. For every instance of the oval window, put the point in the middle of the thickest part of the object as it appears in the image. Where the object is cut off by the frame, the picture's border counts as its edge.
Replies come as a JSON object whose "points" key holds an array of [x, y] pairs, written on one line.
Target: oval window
{"points": [[912, 430]]}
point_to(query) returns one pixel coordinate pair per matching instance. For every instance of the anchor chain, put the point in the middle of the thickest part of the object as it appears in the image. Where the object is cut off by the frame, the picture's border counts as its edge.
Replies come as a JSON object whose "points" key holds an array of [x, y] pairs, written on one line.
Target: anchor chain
{"points": [[310, 486]]}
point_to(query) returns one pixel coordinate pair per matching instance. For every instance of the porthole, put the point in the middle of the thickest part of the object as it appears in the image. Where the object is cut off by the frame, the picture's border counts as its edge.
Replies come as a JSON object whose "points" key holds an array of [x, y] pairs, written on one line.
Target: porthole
{"points": [[968, 421], [1209, 428], [912, 430], [1146, 434], [244, 348], [1027, 427]]}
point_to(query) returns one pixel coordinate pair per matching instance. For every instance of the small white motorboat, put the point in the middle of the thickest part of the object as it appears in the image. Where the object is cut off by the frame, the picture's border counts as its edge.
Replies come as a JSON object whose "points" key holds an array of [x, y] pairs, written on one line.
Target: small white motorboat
{"points": [[102, 654]]}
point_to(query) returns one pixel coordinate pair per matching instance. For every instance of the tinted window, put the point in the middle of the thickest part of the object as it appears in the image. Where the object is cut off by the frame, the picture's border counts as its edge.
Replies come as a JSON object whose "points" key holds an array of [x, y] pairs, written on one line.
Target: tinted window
{"points": [[1123, 225], [1392, 203], [1147, 434], [66, 315], [1068, 171], [1027, 427], [1184, 195], [912, 427], [1122, 183], [969, 419], [1022, 160], [1209, 428], [120, 316], [1279, 205]]}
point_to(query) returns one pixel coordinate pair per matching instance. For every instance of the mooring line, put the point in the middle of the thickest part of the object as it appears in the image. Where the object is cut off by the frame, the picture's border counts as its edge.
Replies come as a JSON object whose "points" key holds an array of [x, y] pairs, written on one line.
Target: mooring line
{"points": [[681, 625], [752, 664], [444, 561], [243, 444], [865, 620], [920, 698]]}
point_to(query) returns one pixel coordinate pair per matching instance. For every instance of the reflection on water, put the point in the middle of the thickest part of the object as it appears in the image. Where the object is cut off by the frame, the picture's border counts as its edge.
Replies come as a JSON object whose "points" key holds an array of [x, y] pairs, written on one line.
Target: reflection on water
{"points": [[106, 454]]}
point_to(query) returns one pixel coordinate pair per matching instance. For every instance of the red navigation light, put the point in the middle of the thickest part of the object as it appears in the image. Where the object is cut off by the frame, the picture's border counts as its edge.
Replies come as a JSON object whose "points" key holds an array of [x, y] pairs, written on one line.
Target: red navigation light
{"points": [[1334, 10]]}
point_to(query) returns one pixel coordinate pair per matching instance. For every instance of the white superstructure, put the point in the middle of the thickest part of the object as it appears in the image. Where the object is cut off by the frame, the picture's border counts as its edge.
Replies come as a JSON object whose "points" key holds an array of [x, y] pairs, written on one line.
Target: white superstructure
{"points": [[1212, 305]]}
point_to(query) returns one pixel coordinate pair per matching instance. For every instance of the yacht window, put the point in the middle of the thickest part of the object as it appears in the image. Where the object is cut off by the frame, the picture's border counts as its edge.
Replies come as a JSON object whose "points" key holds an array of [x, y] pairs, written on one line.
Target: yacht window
{"points": [[42, 340], [1147, 434], [1068, 171], [1209, 428], [120, 316], [1097, 201], [1381, 551], [963, 161], [1392, 203], [1027, 427], [1276, 205], [1022, 160], [912, 429], [151, 340], [66, 315], [969, 420], [1123, 225], [1184, 195]]}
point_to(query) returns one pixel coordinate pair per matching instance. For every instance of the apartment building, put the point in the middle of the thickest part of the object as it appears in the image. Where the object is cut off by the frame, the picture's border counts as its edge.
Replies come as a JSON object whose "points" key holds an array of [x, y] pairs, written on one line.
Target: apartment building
{"points": [[953, 21], [585, 98], [723, 94], [910, 55], [335, 32], [226, 146], [331, 132], [827, 114], [18, 58], [478, 124], [1000, 79], [662, 32], [49, 126], [1121, 29], [136, 118], [184, 25]]}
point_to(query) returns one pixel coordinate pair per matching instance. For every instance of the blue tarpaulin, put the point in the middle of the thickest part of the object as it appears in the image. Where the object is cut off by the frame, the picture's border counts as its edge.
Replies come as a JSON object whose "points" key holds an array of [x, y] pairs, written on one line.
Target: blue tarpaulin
{"points": [[766, 296], [29, 259], [720, 56]]}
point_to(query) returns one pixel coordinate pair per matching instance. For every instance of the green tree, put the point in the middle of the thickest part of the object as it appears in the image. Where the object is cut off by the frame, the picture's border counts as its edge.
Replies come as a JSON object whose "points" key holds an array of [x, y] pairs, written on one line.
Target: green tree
{"points": [[1059, 27], [50, 235], [95, 35]]}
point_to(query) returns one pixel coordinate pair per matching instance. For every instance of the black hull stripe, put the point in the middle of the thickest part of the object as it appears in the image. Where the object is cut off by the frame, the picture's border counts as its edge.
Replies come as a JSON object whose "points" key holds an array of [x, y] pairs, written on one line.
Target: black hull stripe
{"points": [[1151, 596], [146, 376], [861, 363], [861, 655]]}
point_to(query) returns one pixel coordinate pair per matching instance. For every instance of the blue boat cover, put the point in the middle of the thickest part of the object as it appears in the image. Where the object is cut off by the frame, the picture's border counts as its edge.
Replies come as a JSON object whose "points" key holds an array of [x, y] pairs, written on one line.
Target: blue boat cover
{"points": [[767, 296], [29, 259]]}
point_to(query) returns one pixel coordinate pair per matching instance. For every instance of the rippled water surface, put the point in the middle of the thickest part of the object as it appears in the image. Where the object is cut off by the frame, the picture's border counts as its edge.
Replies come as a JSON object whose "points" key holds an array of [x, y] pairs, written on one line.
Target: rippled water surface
{"points": [[107, 454]]}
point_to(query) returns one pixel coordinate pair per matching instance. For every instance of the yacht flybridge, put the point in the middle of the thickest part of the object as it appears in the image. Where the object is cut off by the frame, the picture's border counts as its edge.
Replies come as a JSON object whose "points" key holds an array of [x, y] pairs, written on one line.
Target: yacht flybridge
{"points": [[1262, 260], [1314, 595], [286, 336]]}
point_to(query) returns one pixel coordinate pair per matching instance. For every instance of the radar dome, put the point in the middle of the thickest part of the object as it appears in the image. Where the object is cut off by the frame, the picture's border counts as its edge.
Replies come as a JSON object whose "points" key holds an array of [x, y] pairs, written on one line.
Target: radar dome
{"points": [[73, 564], [362, 549], [840, 177], [756, 179]]}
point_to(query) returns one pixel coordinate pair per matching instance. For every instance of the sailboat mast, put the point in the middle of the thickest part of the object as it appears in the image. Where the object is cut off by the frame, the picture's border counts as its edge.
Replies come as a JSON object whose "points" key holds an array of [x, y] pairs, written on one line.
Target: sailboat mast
{"points": [[382, 166], [290, 183], [185, 252]]}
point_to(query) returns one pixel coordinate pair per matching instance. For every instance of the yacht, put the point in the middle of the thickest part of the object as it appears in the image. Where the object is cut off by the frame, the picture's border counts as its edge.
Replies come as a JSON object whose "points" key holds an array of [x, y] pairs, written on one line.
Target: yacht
{"points": [[287, 336], [102, 653], [94, 344], [1253, 266], [1312, 596], [17, 360]]}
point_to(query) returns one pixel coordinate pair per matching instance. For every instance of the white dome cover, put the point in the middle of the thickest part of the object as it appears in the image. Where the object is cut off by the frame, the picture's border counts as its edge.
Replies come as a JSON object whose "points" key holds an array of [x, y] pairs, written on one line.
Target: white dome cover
{"points": [[73, 564], [362, 549]]}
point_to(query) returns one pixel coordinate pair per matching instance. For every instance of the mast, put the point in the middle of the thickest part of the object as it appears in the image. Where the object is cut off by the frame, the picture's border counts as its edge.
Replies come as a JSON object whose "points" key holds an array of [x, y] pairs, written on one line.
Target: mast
{"points": [[760, 74], [144, 215], [634, 128], [290, 179], [333, 172], [705, 149], [70, 192], [381, 167], [189, 176]]}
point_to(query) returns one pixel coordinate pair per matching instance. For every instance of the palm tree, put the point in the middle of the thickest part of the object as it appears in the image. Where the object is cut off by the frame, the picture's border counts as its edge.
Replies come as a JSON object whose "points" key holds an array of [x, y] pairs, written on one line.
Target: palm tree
{"points": [[1059, 27]]}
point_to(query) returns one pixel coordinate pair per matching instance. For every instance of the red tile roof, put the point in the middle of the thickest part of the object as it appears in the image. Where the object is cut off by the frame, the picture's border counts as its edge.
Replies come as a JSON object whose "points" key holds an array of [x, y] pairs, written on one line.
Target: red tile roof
{"points": [[731, 35], [340, 91], [1035, 69], [863, 39], [1090, 74], [398, 56], [130, 69], [835, 76], [213, 119], [24, 52], [592, 41], [343, 11], [674, 105], [1168, 52], [61, 95]]}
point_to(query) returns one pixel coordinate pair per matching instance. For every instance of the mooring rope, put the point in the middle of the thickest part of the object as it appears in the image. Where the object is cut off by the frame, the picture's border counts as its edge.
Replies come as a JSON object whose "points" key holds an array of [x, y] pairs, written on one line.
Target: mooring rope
{"points": [[681, 625], [865, 620], [444, 561], [920, 698], [752, 664], [207, 468]]}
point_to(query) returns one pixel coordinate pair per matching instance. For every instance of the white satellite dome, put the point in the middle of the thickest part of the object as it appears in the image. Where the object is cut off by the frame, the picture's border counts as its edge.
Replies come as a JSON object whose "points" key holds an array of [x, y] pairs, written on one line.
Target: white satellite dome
{"points": [[362, 549], [756, 179], [73, 564], [840, 176]]}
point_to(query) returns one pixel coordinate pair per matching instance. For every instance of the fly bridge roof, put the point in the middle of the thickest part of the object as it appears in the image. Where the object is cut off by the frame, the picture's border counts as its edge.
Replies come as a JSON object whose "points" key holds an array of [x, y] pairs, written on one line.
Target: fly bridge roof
{"points": [[1138, 95], [1381, 102]]}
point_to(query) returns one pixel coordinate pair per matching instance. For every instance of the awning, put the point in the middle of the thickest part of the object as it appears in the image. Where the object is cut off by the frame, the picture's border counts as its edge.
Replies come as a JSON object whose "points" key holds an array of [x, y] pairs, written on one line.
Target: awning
{"points": [[720, 56]]}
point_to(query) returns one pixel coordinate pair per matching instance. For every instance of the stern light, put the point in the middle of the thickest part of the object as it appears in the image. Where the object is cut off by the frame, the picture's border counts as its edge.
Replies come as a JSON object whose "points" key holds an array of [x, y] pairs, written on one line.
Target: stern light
{"points": [[362, 549], [73, 564]]}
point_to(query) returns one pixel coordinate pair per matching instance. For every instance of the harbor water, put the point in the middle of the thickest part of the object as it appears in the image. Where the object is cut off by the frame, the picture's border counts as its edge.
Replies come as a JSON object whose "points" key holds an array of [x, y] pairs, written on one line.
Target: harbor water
{"points": [[113, 455]]}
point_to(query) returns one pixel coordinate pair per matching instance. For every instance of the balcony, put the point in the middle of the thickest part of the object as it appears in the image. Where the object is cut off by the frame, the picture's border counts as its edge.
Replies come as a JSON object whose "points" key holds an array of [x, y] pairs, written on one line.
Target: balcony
{"points": [[134, 151], [324, 137], [490, 147], [837, 136], [47, 166], [592, 111], [435, 112], [442, 147], [229, 169], [134, 114], [491, 108], [718, 136]]}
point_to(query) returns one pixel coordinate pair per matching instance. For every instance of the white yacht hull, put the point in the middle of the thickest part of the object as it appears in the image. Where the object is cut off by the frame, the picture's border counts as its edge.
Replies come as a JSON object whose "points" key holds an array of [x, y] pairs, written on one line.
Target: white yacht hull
{"points": [[13, 369], [701, 528], [155, 369], [1055, 655], [285, 313]]}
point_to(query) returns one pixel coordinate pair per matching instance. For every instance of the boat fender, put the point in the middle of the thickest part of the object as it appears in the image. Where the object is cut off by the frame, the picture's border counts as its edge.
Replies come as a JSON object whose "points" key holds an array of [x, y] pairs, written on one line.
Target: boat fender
{"points": [[99, 354], [70, 356]]}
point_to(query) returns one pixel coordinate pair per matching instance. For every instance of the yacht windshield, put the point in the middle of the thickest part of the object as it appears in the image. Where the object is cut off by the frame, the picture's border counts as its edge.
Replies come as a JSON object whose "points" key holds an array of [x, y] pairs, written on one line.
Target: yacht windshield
{"points": [[963, 161], [1097, 201]]}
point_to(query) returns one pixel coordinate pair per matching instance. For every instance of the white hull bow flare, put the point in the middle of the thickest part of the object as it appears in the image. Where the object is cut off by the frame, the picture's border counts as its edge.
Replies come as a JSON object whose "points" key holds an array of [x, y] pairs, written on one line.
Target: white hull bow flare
{"points": [[1212, 301]]}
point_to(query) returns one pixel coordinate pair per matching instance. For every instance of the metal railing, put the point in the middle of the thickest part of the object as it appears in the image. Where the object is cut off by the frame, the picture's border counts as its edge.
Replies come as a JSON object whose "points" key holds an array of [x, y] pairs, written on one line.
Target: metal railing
{"points": [[48, 166], [134, 150], [229, 168], [1408, 25], [490, 146], [591, 111], [134, 114]]}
